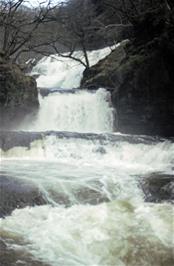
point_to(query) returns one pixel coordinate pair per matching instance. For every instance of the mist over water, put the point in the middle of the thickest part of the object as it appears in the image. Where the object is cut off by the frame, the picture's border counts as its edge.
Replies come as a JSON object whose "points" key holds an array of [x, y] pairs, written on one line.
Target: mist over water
{"points": [[90, 176]]}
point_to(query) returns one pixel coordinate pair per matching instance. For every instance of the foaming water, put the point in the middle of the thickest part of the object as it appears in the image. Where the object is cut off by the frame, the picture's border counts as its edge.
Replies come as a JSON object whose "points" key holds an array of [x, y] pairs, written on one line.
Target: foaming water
{"points": [[78, 176], [82, 111], [75, 169], [55, 71], [117, 233], [107, 149]]}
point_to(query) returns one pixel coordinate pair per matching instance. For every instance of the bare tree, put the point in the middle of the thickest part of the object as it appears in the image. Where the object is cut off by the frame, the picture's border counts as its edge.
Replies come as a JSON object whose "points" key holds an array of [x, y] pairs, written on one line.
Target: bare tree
{"points": [[47, 28], [73, 27], [18, 24], [148, 18], [130, 11]]}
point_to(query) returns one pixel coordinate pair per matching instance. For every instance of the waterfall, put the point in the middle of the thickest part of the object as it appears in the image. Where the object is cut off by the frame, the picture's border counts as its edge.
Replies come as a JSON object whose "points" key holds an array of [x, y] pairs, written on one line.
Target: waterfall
{"points": [[65, 109], [55, 71], [81, 111], [95, 213]]}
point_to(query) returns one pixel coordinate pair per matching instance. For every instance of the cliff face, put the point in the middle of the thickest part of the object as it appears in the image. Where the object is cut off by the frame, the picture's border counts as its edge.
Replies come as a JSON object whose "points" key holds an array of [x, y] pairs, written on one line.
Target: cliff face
{"points": [[139, 75], [18, 93]]}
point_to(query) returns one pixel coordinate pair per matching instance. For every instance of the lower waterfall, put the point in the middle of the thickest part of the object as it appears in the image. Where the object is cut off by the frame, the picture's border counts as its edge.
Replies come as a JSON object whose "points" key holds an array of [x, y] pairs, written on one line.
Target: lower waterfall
{"points": [[79, 111]]}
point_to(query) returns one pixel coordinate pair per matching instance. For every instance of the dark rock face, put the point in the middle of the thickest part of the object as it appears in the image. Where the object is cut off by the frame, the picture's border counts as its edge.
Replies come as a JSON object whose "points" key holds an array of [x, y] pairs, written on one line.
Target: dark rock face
{"points": [[142, 87], [18, 93], [16, 193], [145, 97], [140, 74], [158, 187], [106, 73]]}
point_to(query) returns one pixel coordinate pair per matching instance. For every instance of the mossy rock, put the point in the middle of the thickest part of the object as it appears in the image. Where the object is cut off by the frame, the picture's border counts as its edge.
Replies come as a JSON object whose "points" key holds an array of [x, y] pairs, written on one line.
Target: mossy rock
{"points": [[18, 94], [16, 89]]}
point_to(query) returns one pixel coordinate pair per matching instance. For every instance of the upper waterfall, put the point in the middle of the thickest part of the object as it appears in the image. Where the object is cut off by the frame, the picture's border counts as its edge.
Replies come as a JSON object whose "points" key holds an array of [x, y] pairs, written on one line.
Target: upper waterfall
{"points": [[56, 71]]}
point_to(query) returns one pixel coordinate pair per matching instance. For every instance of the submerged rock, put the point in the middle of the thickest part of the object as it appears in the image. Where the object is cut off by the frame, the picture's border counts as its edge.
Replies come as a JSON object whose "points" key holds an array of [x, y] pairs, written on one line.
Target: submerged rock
{"points": [[158, 187], [18, 257], [15, 193], [80, 196]]}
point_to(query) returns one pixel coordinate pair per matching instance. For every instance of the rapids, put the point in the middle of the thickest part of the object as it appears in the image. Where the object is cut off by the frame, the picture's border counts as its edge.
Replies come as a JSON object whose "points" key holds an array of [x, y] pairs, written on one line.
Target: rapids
{"points": [[96, 213], [116, 233]]}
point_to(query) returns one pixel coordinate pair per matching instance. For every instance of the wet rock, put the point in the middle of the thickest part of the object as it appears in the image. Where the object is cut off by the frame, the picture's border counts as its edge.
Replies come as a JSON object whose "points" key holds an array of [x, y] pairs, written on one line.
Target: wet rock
{"points": [[15, 193], [158, 187], [10, 139], [44, 92], [91, 196], [81, 196], [100, 150], [19, 257], [18, 94], [3, 246]]}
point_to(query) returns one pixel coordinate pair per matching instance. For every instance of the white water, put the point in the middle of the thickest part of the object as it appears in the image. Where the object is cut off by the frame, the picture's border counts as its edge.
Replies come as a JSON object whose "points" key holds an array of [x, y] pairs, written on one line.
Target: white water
{"points": [[80, 172], [96, 214], [84, 151], [57, 72], [81, 111], [77, 170], [118, 234]]}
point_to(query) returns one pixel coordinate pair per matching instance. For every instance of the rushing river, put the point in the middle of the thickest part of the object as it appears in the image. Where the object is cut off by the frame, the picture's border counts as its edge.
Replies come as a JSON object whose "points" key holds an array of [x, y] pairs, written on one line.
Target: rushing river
{"points": [[96, 214]]}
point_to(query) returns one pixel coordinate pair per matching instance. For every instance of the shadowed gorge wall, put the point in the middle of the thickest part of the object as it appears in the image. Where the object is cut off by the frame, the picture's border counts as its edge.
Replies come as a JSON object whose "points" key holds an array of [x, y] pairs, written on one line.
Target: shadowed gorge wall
{"points": [[140, 76]]}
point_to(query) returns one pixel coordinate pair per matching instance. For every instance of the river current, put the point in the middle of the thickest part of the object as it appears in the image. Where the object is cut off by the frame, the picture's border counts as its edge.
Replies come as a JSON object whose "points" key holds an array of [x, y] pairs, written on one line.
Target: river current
{"points": [[96, 213]]}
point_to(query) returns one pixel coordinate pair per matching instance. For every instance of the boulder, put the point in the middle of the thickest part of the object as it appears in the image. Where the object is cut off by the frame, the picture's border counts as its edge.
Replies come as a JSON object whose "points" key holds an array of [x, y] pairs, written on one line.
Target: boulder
{"points": [[15, 193], [158, 187]]}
